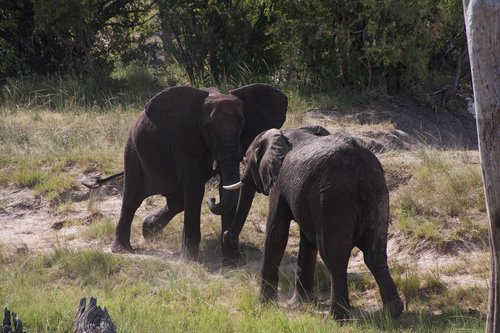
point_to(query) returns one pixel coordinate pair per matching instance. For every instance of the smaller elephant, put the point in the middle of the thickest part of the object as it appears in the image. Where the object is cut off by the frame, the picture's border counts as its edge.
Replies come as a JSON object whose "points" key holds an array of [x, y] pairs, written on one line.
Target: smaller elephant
{"points": [[336, 192]]}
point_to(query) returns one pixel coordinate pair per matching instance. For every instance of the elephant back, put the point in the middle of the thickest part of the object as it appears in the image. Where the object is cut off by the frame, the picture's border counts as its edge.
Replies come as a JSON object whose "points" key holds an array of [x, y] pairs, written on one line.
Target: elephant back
{"points": [[180, 105]]}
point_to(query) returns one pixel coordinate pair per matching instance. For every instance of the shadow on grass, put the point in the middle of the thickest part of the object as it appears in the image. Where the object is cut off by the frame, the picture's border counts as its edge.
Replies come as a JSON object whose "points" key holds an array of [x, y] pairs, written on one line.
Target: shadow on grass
{"points": [[422, 321]]}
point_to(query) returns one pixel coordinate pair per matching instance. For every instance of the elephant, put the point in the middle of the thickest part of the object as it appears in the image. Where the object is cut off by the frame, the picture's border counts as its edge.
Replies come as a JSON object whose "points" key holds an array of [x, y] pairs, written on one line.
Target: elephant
{"points": [[182, 138], [336, 192]]}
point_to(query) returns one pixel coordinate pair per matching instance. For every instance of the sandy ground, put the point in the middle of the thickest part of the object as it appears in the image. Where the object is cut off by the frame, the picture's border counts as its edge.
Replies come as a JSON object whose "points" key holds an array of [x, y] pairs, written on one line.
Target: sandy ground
{"points": [[29, 223]]}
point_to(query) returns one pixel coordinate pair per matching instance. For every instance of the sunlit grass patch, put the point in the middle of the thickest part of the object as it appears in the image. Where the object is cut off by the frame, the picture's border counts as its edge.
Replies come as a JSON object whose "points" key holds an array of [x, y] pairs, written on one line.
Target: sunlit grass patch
{"points": [[102, 230], [440, 202], [46, 150]]}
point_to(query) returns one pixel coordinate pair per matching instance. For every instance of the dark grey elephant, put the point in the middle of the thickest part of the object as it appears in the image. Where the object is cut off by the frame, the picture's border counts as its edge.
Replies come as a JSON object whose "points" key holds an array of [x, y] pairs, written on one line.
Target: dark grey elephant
{"points": [[183, 138], [335, 190]]}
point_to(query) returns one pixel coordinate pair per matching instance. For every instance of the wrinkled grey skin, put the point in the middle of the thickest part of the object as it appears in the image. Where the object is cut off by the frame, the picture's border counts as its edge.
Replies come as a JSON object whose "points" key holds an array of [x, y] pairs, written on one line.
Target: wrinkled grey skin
{"points": [[171, 151], [335, 190]]}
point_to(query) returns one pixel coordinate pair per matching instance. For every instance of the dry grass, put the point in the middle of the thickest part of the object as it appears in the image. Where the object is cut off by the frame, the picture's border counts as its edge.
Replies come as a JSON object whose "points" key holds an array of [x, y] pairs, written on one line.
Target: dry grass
{"points": [[48, 151], [436, 199], [443, 202]]}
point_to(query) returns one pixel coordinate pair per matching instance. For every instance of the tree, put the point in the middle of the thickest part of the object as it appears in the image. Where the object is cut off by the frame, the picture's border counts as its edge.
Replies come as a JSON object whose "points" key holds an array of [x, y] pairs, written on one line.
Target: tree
{"points": [[214, 39], [90, 29], [482, 22]]}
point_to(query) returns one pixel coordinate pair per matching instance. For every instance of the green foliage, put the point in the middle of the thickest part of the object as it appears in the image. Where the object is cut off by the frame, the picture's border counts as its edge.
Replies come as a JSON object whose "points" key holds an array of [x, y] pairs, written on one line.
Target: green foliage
{"points": [[314, 46]]}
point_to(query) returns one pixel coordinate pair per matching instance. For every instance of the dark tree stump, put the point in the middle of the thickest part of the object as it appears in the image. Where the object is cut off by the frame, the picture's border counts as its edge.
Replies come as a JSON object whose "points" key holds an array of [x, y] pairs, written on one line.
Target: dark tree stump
{"points": [[93, 319], [16, 321]]}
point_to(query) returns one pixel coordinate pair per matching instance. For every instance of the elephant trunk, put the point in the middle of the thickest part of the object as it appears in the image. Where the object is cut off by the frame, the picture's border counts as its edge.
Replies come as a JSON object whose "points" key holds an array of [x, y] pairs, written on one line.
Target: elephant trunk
{"points": [[230, 174], [246, 195]]}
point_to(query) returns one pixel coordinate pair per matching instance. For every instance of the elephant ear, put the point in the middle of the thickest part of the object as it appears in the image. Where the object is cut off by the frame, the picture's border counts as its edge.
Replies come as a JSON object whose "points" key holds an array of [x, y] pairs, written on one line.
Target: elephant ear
{"points": [[264, 108], [269, 155], [176, 105]]}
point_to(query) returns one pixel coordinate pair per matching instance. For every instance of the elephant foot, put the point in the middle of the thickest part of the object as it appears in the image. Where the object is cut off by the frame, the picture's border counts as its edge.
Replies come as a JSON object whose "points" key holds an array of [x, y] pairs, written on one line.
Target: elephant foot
{"points": [[150, 227], [190, 254], [340, 312], [232, 261], [394, 307], [302, 297], [121, 247], [231, 257], [268, 294], [230, 249]]}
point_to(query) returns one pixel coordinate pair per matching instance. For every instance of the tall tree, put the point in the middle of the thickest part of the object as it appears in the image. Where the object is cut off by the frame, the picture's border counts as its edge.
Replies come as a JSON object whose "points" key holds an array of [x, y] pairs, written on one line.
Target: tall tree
{"points": [[482, 21], [90, 29], [215, 39]]}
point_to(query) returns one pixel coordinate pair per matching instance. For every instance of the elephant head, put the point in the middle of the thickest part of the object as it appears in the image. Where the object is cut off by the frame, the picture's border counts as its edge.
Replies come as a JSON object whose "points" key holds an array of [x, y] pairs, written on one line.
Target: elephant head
{"points": [[226, 124], [264, 158], [263, 107]]}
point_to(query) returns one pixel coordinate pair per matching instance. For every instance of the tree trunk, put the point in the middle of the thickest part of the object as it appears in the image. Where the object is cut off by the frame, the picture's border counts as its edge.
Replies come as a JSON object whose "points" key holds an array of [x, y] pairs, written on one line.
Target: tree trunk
{"points": [[392, 79], [7, 325], [93, 319], [483, 33]]}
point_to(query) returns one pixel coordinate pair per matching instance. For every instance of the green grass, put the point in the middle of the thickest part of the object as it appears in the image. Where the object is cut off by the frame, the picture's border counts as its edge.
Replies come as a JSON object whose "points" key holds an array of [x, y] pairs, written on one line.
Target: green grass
{"points": [[148, 294], [48, 151], [441, 202], [101, 229]]}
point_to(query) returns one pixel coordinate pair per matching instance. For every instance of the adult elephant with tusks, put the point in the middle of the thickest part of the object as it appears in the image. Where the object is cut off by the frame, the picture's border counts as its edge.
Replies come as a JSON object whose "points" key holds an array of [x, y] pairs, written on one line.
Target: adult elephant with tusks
{"points": [[336, 192], [184, 137]]}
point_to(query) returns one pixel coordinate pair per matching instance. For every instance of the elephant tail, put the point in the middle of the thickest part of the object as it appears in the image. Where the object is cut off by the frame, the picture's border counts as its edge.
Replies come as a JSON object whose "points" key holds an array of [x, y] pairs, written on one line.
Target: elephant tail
{"points": [[97, 182]]}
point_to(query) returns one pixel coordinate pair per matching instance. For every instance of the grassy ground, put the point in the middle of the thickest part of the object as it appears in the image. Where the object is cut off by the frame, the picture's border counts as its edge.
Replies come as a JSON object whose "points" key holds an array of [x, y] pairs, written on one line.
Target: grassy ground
{"points": [[145, 294], [437, 207]]}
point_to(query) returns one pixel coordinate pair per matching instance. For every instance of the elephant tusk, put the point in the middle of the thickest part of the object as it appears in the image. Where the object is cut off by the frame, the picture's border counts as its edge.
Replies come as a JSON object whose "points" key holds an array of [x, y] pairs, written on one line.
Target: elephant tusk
{"points": [[234, 186], [214, 165]]}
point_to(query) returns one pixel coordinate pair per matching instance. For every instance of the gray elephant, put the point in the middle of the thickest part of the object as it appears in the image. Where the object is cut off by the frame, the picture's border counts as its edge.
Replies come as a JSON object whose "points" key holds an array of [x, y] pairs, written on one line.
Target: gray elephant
{"points": [[184, 137], [335, 190]]}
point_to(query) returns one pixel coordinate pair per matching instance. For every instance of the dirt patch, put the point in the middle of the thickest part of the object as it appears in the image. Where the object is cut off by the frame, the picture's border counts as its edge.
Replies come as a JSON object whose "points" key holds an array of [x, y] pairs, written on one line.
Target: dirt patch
{"points": [[402, 123]]}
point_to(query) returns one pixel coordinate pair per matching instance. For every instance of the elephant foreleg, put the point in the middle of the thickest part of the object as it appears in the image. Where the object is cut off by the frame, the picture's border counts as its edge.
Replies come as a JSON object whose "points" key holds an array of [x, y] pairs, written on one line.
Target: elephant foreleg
{"points": [[306, 264], [133, 195], [154, 223], [193, 196], [230, 250], [278, 224], [232, 223], [131, 201]]}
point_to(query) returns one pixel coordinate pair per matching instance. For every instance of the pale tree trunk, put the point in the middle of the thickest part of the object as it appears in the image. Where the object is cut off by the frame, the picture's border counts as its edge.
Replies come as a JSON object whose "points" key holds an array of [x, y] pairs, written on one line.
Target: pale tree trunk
{"points": [[482, 22]]}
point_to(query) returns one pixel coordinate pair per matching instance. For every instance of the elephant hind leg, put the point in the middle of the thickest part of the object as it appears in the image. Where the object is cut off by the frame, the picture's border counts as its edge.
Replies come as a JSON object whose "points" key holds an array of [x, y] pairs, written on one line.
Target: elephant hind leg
{"points": [[336, 260], [334, 238], [306, 264], [376, 260], [155, 222]]}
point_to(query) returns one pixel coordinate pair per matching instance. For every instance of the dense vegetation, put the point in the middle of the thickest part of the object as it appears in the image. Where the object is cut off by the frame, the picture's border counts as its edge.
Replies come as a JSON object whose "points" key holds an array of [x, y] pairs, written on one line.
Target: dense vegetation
{"points": [[326, 46]]}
